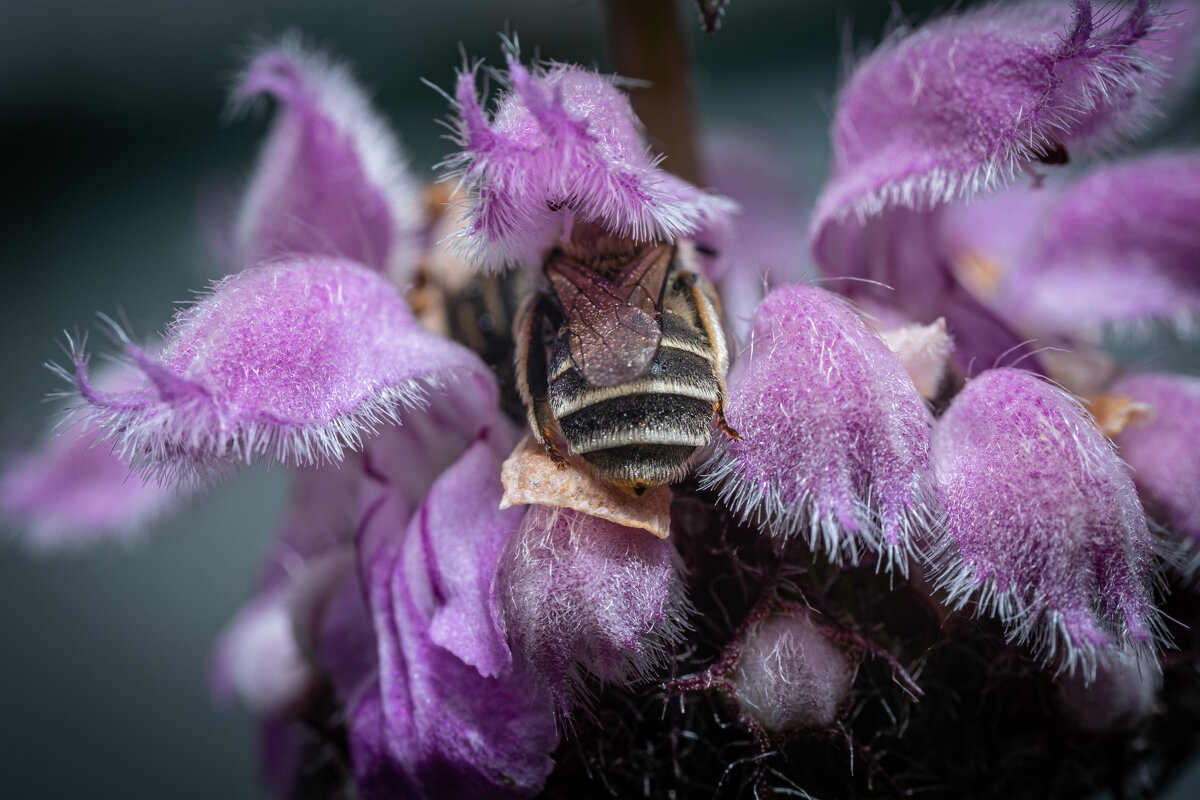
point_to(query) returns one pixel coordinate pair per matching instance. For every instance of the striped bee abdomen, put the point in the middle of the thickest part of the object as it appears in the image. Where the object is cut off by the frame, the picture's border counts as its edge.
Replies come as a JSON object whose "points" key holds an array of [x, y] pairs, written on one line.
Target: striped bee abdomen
{"points": [[644, 432]]}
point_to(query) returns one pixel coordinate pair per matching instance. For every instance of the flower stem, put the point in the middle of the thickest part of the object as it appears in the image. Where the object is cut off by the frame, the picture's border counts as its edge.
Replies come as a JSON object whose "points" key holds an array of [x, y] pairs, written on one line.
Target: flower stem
{"points": [[646, 41]]}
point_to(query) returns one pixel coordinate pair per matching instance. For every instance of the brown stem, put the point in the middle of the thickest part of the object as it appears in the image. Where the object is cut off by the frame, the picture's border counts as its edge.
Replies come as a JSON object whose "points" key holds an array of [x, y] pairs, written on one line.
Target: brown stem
{"points": [[646, 41]]}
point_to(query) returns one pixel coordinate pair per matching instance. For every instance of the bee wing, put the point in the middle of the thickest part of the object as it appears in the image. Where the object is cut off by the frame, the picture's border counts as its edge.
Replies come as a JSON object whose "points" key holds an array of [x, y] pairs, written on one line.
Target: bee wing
{"points": [[614, 326]]}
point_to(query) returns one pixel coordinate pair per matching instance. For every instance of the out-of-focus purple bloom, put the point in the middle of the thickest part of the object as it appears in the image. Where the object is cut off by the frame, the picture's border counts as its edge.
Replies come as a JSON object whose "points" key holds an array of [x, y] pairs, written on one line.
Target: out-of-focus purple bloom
{"points": [[73, 491], [1045, 529], [1164, 451], [834, 441], [563, 146], [1116, 248], [1122, 693]]}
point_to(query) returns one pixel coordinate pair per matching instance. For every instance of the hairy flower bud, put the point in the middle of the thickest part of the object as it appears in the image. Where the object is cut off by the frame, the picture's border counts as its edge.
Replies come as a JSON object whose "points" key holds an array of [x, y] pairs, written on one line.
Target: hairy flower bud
{"points": [[790, 676]]}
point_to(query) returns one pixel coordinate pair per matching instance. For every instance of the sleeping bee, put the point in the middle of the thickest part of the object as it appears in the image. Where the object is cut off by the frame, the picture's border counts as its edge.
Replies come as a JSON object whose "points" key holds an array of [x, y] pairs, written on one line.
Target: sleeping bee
{"points": [[623, 355]]}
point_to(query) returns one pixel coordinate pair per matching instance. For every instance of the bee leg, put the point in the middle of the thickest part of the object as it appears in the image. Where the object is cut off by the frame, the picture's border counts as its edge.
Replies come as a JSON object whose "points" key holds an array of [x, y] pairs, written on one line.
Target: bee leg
{"points": [[532, 380], [702, 299], [723, 424]]}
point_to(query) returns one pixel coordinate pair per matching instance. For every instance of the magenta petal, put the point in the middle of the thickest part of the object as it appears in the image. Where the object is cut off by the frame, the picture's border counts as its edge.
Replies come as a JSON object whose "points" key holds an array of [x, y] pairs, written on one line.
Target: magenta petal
{"points": [[585, 596], [462, 531], [1165, 452], [433, 726], [1045, 528], [330, 180], [835, 437], [293, 362], [563, 145], [964, 102], [1119, 248]]}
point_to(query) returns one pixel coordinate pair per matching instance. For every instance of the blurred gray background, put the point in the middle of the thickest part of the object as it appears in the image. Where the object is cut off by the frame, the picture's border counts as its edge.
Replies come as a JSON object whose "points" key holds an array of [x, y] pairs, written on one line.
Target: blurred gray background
{"points": [[114, 153]]}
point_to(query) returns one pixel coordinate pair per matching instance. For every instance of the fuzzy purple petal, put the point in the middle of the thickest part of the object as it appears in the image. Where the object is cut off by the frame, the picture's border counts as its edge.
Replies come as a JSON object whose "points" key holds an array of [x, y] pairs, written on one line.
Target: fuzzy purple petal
{"points": [[1118, 248], [432, 725], [965, 102], [331, 179], [75, 492], [834, 436], [1045, 529], [563, 145], [1165, 452], [584, 596], [293, 362]]}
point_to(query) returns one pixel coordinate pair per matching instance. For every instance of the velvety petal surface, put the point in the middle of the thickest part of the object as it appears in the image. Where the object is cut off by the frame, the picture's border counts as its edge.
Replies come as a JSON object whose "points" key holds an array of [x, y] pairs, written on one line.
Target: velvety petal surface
{"points": [[1045, 529], [834, 436], [331, 179], [1165, 451], [562, 145], [1118, 248], [964, 102], [584, 596], [432, 725], [292, 362]]}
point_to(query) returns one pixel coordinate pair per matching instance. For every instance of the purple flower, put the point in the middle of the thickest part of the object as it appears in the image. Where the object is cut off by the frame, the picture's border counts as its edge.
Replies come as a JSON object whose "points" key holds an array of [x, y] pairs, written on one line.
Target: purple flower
{"points": [[563, 146], [835, 437], [432, 614], [381, 583], [965, 105], [1044, 525]]}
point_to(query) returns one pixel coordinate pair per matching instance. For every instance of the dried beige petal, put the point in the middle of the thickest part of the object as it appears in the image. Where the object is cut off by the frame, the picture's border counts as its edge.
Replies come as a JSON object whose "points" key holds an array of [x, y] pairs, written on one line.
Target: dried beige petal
{"points": [[923, 349], [531, 477]]}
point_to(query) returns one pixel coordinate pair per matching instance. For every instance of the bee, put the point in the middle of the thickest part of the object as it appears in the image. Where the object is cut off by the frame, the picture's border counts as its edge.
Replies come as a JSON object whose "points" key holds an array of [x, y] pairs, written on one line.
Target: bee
{"points": [[623, 354]]}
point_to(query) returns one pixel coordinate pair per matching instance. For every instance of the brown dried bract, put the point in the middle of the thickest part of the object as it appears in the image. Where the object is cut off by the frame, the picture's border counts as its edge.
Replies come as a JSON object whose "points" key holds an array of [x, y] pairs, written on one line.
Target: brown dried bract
{"points": [[1114, 412], [531, 477]]}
